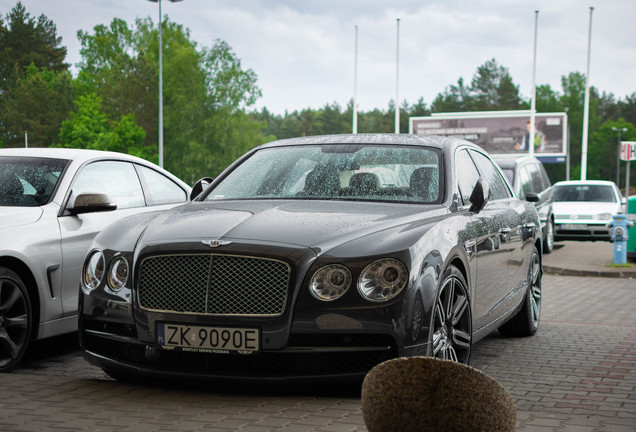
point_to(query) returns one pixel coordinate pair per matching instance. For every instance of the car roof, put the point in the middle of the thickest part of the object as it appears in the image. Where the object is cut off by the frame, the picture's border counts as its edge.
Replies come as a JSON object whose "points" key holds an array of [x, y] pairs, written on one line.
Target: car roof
{"points": [[78, 155], [585, 182], [507, 161], [393, 139]]}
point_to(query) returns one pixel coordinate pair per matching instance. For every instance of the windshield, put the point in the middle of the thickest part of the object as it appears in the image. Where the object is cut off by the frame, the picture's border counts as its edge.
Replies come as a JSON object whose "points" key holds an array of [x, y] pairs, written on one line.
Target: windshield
{"points": [[594, 193], [348, 172], [28, 181]]}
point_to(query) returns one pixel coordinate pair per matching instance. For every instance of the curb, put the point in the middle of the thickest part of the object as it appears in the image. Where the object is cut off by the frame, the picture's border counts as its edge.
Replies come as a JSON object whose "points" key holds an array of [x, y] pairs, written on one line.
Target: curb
{"points": [[615, 273]]}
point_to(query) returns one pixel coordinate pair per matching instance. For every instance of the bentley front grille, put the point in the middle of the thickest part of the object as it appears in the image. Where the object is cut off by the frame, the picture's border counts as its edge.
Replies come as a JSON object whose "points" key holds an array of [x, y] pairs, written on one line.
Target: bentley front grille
{"points": [[213, 284]]}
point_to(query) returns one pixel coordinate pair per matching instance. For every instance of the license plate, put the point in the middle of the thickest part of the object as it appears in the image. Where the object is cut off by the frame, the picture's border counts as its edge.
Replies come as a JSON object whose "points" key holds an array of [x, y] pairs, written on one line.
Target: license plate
{"points": [[218, 340], [574, 226]]}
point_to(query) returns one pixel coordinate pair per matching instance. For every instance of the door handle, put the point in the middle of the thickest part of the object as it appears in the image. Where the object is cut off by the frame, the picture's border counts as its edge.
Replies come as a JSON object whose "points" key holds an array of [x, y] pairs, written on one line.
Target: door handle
{"points": [[504, 234]]}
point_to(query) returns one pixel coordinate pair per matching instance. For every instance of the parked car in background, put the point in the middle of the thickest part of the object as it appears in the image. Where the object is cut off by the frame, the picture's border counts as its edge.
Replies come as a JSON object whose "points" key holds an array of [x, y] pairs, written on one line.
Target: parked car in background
{"points": [[583, 208], [317, 257], [52, 203], [530, 182]]}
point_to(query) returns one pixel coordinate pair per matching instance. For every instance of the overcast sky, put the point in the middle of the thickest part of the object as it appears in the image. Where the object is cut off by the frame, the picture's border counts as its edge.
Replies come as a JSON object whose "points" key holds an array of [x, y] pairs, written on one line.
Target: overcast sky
{"points": [[303, 51]]}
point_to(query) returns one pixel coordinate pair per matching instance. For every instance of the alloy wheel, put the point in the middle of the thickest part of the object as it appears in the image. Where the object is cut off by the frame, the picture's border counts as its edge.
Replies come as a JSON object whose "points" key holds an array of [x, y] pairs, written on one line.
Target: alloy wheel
{"points": [[14, 323], [535, 289], [452, 322]]}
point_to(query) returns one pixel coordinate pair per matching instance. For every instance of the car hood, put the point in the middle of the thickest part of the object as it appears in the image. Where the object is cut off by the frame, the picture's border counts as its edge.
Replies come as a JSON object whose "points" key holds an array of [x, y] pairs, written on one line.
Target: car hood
{"points": [[15, 216], [316, 224], [584, 208]]}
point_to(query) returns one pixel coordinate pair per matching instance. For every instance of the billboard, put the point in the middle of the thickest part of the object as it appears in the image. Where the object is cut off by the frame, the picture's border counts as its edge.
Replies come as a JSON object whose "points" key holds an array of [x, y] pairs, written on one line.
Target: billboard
{"points": [[501, 132]]}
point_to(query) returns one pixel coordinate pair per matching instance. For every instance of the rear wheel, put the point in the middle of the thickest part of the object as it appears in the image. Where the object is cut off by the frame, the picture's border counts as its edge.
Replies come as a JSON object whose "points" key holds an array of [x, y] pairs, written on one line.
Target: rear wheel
{"points": [[548, 240], [526, 321], [15, 319], [451, 335]]}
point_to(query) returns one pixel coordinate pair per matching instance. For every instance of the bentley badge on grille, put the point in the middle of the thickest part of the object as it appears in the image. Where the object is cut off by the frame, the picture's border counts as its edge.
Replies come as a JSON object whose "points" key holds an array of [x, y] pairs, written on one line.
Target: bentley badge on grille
{"points": [[215, 243]]}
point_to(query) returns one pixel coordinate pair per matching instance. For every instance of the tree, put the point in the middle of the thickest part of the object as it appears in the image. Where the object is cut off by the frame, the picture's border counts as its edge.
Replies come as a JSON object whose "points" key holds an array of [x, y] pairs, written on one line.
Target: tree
{"points": [[205, 92], [627, 108], [120, 70], [35, 86], [36, 104], [330, 120], [90, 128], [492, 88], [547, 100], [453, 99], [24, 41]]}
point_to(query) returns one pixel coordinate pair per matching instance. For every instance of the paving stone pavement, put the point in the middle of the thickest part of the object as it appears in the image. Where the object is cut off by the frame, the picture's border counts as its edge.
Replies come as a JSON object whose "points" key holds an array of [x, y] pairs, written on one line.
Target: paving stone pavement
{"points": [[576, 374]]}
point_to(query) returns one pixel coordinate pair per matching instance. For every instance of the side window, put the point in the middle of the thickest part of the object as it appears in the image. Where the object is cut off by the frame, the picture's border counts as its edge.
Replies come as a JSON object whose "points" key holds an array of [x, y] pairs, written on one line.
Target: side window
{"points": [[538, 185], [467, 175], [525, 183], [117, 179], [498, 187], [546, 179], [159, 188]]}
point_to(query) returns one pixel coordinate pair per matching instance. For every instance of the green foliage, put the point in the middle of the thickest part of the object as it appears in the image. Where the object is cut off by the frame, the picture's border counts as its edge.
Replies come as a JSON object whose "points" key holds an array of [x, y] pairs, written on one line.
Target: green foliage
{"points": [[25, 41], [90, 128], [36, 104], [205, 93], [491, 89], [36, 89]]}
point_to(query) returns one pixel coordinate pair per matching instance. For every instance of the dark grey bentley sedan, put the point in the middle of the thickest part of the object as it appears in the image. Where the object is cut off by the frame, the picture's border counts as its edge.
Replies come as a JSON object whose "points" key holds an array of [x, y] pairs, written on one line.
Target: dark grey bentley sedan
{"points": [[317, 257]]}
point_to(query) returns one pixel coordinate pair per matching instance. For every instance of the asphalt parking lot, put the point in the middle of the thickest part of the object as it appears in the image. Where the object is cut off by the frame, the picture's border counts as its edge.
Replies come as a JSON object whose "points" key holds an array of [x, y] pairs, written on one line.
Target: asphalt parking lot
{"points": [[577, 373]]}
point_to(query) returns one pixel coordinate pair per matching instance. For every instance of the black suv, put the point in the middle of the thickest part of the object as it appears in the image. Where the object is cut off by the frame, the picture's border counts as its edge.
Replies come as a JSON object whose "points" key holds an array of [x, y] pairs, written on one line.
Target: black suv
{"points": [[530, 182]]}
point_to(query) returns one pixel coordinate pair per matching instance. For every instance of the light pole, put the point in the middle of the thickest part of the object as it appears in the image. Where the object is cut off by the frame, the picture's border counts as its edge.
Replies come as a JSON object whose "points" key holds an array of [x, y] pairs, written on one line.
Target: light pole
{"points": [[586, 106], [397, 80], [618, 153], [354, 126], [161, 85]]}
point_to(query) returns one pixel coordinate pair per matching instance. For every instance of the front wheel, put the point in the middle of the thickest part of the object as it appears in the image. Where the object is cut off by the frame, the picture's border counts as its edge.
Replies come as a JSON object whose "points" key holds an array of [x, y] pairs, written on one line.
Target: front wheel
{"points": [[451, 330], [526, 321], [15, 319]]}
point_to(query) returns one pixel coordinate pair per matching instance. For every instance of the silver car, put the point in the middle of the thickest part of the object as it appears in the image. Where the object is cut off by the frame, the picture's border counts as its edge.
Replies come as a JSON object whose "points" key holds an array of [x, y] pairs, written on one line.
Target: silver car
{"points": [[52, 204]]}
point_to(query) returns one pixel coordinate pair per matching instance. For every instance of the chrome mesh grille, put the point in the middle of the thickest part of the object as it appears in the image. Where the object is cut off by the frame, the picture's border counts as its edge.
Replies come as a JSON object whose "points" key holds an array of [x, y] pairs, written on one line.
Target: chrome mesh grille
{"points": [[213, 284]]}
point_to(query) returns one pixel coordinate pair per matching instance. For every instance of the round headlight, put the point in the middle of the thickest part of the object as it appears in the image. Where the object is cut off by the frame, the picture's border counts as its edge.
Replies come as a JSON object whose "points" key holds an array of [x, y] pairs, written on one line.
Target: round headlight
{"points": [[118, 273], [382, 280], [93, 270], [330, 282]]}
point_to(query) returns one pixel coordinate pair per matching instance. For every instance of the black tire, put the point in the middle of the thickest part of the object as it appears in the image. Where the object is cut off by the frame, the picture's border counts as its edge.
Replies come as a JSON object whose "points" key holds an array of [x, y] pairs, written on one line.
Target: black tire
{"points": [[15, 319], [548, 240], [451, 326], [417, 318], [526, 321]]}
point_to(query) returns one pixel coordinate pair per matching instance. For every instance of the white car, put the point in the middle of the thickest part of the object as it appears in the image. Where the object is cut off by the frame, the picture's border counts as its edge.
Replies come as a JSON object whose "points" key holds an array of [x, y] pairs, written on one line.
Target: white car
{"points": [[52, 204], [583, 208]]}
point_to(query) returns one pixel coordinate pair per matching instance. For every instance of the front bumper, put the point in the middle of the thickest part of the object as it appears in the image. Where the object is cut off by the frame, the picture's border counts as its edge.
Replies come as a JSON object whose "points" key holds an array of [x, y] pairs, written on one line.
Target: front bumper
{"points": [[349, 348], [588, 231]]}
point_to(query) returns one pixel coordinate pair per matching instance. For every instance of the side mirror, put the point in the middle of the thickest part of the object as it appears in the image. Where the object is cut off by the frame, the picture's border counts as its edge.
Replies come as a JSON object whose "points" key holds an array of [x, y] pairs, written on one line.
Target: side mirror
{"points": [[91, 202], [200, 186], [480, 195], [532, 197]]}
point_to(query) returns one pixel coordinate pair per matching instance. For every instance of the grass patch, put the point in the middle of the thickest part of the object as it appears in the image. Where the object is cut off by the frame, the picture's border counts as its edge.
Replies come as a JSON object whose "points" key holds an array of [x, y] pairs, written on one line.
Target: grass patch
{"points": [[626, 265]]}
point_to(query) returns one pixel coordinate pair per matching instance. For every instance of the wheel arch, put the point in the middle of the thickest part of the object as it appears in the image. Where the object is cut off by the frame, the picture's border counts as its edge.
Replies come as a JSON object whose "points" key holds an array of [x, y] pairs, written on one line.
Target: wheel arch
{"points": [[539, 245], [25, 273]]}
